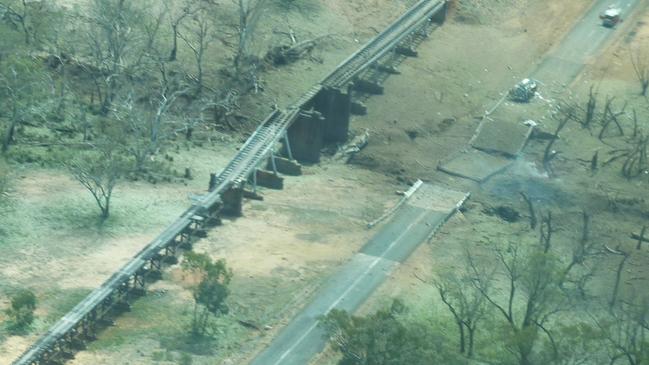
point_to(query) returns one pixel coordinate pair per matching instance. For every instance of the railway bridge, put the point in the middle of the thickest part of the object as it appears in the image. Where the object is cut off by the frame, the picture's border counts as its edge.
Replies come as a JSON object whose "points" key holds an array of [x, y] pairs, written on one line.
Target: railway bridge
{"points": [[285, 138]]}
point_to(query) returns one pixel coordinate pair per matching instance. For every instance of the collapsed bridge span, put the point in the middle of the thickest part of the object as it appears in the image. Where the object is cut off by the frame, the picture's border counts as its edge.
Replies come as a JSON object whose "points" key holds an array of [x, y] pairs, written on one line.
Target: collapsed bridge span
{"points": [[318, 117]]}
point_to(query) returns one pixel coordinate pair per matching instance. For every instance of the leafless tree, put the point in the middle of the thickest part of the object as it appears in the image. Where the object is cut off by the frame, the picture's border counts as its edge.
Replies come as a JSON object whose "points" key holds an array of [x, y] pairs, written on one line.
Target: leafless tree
{"points": [[119, 41], [530, 280], [178, 12], [26, 15], [145, 128], [609, 116], [566, 114], [618, 274], [635, 156], [197, 35], [584, 249], [99, 173], [21, 89], [641, 238], [4, 178], [641, 68], [466, 304], [625, 328], [591, 106], [250, 12]]}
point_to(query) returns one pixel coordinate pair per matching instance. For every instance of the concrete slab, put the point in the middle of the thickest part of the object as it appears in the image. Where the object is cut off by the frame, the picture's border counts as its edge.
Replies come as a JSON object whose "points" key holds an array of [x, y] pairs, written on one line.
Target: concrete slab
{"points": [[475, 165], [436, 198], [303, 337], [416, 220], [503, 136]]}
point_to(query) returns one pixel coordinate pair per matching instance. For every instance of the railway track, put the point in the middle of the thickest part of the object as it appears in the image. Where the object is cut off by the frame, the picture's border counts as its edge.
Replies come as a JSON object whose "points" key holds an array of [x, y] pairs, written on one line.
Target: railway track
{"points": [[384, 42], [81, 324]]}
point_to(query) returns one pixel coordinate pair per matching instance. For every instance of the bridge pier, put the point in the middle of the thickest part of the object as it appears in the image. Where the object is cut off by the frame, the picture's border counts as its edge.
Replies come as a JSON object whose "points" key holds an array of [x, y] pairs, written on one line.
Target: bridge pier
{"points": [[440, 16], [367, 86], [233, 201], [285, 166], [335, 106], [306, 136], [212, 184], [170, 257], [268, 179]]}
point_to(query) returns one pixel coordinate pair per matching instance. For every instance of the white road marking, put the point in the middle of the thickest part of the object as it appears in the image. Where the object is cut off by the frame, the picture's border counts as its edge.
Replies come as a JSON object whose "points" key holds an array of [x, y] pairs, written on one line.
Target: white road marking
{"points": [[352, 286]]}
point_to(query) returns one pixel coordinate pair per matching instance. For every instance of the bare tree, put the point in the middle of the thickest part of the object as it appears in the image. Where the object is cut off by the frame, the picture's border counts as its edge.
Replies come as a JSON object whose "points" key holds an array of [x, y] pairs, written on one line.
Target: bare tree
{"points": [[250, 12], [99, 173], [466, 304], [584, 249], [531, 279], [641, 68], [635, 156], [591, 106], [21, 87], [618, 274], [197, 35], [26, 15], [178, 12], [609, 116], [119, 41], [145, 127], [4, 178], [567, 113], [626, 330]]}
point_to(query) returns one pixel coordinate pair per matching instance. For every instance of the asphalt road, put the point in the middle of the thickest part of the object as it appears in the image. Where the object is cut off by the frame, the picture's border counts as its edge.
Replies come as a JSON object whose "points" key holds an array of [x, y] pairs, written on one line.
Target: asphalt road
{"points": [[416, 220], [584, 41], [427, 209]]}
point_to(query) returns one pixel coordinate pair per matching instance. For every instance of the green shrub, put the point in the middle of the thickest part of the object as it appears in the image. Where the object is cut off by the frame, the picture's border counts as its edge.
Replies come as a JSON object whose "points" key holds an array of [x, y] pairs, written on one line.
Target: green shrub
{"points": [[185, 359], [21, 311]]}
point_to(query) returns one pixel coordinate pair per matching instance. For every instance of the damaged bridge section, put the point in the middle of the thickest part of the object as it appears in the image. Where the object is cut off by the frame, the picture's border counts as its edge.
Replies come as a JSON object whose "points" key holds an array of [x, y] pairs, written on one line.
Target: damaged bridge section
{"points": [[284, 140]]}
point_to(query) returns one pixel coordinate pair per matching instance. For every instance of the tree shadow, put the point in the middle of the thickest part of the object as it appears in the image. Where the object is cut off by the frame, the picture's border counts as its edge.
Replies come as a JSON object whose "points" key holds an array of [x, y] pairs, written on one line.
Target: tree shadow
{"points": [[189, 343]]}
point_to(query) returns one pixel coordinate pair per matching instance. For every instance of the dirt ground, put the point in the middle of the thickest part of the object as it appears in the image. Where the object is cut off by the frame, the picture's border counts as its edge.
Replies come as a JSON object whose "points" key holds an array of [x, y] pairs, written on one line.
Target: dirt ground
{"points": [[284, 247], [618, 206], [295, 238]]}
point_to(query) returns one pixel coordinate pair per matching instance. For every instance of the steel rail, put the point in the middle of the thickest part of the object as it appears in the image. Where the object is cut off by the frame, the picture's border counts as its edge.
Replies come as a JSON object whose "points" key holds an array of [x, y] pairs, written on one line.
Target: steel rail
{"points": [[97, 296], [383, 43], [254, 151]]}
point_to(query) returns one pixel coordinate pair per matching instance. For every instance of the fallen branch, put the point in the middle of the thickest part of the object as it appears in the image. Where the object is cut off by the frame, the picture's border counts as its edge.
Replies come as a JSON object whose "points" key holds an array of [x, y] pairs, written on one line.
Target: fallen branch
{"points": [[614, 252]]}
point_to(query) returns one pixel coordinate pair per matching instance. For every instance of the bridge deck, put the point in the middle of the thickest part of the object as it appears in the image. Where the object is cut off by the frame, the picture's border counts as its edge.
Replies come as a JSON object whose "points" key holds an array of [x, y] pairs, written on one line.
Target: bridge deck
{"points": [[254, 151]]}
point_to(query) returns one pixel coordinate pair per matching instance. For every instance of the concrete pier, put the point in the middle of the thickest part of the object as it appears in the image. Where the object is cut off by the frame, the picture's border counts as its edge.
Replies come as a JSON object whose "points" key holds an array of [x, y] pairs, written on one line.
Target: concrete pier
{"points": [[335, 106], [306, 136]]}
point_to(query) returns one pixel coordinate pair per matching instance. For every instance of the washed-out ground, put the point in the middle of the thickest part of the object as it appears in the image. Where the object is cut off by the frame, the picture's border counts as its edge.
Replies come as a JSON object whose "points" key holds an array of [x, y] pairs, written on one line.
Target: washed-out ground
{"points": [[285, 246], [617, 206]]}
